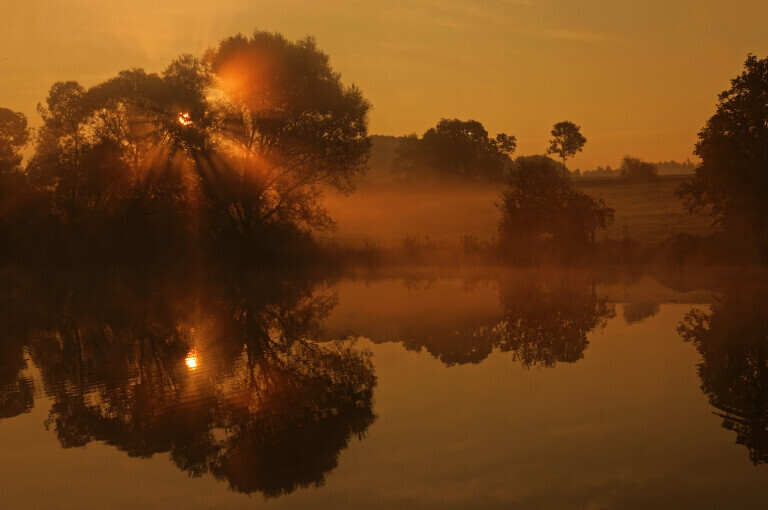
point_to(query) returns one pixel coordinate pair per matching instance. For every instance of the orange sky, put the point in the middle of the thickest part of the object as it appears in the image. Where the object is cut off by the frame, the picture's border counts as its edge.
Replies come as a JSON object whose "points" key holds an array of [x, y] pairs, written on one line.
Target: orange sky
{"points": [[639, 77]]}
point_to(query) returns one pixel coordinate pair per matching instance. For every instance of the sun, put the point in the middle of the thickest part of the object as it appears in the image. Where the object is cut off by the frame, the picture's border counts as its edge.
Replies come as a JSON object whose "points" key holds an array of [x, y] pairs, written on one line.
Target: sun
{"points": [[184, 119]]}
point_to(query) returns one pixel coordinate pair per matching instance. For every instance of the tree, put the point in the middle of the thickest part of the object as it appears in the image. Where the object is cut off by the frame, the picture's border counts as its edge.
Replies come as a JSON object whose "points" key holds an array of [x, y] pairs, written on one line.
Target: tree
{"points": [[155, 157], [543, 214], [455, 149], [21, 205], [635, 169], [289, 126], [732, 179], [567, 140], [62, 141], [13, 136]]}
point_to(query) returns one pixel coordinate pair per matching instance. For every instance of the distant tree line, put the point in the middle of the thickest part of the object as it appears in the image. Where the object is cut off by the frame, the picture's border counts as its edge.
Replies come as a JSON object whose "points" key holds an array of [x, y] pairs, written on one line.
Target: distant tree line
{"points": [[453, 150], [649, 170]]}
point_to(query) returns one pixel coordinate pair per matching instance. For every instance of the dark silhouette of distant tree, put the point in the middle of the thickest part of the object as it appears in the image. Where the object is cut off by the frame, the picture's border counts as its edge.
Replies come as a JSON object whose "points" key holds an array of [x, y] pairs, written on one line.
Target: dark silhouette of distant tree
{"points": [[454, 149], [61, 142], [732, 338], [732, 179], [635, 169], [23, 208], [14, 134], [543, 215], [567, 140]]}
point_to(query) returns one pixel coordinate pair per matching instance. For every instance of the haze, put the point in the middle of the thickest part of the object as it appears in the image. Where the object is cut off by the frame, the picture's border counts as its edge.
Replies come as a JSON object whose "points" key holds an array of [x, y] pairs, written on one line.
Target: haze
{"points": [[639, 78]]}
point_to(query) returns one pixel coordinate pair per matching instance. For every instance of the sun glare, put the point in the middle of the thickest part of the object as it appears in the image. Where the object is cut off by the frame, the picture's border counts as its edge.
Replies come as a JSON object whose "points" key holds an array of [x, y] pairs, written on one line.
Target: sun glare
{"points": [[184, 119], [192, 360]]}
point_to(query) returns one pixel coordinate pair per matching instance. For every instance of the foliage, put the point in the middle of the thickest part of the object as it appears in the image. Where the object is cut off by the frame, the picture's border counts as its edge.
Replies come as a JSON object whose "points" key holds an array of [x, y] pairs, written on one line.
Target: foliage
{"points": [[732, 180], [635, 169], [119, 373], [153, 157], [567, 140], [454, 149], [13, 136], [543, 214], [289, 125], [731, 339], [543, 322]]}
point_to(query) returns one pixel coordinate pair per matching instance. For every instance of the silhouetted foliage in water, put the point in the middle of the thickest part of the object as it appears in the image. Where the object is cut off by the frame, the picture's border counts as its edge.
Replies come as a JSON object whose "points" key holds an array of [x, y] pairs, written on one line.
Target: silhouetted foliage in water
{"points": [[542, 323], [147, 163], [544, 217], [222, 371], [635, 313], [731, 183], [732, 338], [454, 150]]}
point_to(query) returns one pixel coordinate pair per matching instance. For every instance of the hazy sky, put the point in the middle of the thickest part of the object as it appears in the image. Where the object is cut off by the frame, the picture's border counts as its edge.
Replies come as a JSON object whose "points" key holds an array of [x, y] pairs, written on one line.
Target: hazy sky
{"points": [[640, 78]]}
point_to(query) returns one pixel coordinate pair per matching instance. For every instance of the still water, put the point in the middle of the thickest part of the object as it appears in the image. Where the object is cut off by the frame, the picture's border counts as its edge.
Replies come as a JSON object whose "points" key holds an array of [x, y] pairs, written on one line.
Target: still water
{"points": [[502, 389]]}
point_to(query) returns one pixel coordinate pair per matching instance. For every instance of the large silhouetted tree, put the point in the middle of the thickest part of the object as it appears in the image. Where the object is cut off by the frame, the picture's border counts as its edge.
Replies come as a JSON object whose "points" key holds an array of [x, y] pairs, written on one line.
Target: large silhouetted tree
{"points": [[567, 140], [290, 126], [454, 149], [732, 179], [151, 163]]}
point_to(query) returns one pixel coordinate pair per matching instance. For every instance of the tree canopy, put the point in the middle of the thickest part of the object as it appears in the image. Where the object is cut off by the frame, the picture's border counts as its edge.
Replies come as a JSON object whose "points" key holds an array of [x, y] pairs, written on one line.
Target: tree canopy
{"points": [[13, 136], [290, 126], [731, 182], [455, 149], [567, 140], [236, 146]]}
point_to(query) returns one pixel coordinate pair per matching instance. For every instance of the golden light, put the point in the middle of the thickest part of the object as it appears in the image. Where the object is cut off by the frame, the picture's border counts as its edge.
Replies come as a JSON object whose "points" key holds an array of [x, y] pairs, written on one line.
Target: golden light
{"points": [[192, 360], [184, 119]]}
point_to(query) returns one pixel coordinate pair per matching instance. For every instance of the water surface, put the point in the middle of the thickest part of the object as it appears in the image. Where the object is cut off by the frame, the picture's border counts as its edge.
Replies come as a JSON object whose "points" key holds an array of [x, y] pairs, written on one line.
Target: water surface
{"points": [[499, 390]]}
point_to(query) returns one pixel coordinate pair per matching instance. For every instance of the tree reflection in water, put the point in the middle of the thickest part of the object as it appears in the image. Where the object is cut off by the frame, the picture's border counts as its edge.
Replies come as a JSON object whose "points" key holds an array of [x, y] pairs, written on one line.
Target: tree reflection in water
{"points": [[261, 405], [732, 338], [543, 322]]}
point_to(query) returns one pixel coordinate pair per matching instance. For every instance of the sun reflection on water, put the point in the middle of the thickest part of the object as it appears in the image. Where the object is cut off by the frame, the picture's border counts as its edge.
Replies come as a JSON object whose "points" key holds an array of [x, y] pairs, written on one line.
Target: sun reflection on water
{"points": [[192, 360]]}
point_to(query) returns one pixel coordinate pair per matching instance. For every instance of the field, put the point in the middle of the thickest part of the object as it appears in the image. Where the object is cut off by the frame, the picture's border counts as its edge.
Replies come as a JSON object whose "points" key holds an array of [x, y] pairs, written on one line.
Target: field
{"points": [[385, 215]]}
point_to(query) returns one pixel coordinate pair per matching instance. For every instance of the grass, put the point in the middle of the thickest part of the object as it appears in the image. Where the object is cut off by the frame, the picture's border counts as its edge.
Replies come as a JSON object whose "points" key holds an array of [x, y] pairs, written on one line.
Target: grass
{"points": [[648, 212], [386, 215]]}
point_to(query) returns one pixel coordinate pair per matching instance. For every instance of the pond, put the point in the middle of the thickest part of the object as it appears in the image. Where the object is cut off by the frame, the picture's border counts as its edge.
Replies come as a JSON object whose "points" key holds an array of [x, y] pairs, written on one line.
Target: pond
{"points": [[415, 389]]}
